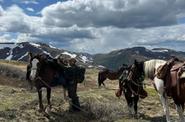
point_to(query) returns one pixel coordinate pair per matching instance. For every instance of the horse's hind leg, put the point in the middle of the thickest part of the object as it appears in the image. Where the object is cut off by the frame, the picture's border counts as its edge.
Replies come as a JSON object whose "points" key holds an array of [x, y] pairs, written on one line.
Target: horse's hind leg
{"points": [[179, 109], [101, 80], [160, 88], [41, 107], [49, 96]]}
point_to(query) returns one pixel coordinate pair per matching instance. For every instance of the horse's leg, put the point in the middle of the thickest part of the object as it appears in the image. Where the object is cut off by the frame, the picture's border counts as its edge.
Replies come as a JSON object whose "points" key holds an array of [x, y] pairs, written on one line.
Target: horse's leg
{"points": [[179, 109], [136, 99], [65, 94], [160, 88], [41, 107], [103, 83], [101, 80], [129, 102], [49, 96]]}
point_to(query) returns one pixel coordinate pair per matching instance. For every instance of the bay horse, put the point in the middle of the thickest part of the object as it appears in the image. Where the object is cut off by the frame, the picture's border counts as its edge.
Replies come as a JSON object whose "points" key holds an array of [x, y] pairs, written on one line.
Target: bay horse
{"points": [[152, 73], [132, 87], [44, 73], [111, 75]]}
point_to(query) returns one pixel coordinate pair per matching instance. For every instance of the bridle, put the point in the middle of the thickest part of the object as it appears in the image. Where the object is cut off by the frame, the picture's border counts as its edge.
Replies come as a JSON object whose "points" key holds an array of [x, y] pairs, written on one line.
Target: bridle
{"points": [[37, 77], [130, 81]]}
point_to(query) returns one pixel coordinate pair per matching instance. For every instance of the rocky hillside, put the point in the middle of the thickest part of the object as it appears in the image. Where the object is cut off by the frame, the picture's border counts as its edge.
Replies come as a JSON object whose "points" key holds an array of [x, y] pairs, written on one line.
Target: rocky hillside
{"points": [[114, 59], [110, 60], [19, 52]]}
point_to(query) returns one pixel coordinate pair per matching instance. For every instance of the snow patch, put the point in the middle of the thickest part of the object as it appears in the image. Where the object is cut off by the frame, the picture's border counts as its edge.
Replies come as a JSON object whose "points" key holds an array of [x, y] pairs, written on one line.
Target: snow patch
{"points": [[21, 46], [10, 55], [34, 44], [11, 52], [160, 50], [100, 66], [23, 56], [47, 53], [90, 66], [71, 55], [84, 59], [52, 47]]}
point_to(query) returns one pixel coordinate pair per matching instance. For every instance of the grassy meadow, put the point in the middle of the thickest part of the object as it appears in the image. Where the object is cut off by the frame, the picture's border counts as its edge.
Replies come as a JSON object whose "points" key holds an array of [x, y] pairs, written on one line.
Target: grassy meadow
{"points": [[18, 103]]}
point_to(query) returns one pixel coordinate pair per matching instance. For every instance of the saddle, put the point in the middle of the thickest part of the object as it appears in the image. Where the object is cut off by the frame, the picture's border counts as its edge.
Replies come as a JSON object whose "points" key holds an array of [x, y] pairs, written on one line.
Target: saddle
{"points": [[171, 75]]}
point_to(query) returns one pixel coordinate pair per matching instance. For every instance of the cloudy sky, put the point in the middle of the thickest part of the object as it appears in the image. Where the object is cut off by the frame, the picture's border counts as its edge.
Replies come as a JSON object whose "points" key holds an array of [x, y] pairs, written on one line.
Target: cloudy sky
{"points": [[94, 26]]}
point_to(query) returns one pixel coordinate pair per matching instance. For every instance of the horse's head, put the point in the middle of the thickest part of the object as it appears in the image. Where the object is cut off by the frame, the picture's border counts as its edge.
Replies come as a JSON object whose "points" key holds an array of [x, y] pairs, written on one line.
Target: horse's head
{"points": [[35, 62], [135, 79], [123, 67], [136, 71]]}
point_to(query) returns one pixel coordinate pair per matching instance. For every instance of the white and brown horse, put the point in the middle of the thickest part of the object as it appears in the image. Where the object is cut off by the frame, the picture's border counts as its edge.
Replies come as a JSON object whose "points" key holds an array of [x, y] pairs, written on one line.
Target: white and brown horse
{"points": [[150, 69]]}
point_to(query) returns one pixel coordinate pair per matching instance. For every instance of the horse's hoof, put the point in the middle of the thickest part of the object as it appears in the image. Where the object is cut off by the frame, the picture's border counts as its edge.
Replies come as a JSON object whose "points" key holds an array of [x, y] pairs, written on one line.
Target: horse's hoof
{"points": [[136, 115], [48, 109], [40, 110], [66, 99]]}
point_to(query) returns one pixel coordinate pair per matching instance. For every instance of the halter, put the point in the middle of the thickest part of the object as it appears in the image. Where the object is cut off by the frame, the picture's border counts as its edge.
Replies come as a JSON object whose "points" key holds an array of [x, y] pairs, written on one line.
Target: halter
{"points": [[138, 84]]}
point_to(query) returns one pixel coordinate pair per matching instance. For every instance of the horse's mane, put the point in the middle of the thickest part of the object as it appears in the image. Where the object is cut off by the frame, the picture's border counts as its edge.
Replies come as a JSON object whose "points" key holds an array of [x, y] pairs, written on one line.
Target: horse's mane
{"points": [[151, 66]]}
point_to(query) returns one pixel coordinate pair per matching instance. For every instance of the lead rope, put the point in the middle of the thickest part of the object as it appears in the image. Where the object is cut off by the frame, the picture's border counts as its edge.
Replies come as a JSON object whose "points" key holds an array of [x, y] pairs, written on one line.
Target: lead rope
{"points": [[47, 85], [39, 78]]}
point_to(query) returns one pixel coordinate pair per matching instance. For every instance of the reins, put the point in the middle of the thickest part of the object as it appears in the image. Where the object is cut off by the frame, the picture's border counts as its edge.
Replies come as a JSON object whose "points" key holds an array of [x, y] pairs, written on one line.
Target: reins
{"points": [[44, 82]]}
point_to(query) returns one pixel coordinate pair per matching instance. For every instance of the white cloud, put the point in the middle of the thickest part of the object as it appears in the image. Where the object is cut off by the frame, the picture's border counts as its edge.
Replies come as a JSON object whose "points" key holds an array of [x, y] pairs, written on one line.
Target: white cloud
{"points": [[112, 38], [13, 20], [98, 26], [30, 9], [118, 13], [30, 2]]}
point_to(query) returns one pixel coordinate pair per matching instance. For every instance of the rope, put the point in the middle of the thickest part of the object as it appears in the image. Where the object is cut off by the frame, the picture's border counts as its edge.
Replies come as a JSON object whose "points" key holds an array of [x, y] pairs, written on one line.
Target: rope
{"points": [[136, 83], [39, 78]]}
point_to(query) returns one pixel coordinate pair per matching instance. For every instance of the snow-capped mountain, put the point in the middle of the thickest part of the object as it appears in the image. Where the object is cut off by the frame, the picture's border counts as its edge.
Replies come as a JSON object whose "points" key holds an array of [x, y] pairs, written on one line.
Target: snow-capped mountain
{"points": [[112, 60], [116, 58], [19, 52]]}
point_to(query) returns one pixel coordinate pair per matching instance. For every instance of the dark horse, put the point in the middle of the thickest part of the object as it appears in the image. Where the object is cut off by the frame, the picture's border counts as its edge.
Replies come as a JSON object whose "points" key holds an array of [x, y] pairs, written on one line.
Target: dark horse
{"points": [[132, 86], [45, 71], [111, 75]]}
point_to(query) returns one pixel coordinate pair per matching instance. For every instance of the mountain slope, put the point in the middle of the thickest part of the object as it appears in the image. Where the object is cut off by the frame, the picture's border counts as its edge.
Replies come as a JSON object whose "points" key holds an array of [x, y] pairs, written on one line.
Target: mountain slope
{"points": [[114, 59], [19, 52]]}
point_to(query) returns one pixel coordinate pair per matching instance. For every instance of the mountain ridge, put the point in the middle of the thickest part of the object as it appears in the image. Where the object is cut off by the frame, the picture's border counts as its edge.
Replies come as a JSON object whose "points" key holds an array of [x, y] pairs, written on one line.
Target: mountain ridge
{"points": [[111, 60]]}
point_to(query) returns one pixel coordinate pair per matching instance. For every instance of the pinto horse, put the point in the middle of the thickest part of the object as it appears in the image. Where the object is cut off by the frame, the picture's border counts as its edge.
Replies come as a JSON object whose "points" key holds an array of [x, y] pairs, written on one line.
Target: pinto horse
{"points": [[44, 72], [158, 71], [132, 87], [111, 75]]}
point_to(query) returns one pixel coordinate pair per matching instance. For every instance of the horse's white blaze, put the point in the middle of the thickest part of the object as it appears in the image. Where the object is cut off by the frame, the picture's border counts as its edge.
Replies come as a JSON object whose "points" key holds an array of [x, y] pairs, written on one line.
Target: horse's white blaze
{"points": [[34, 68]]}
